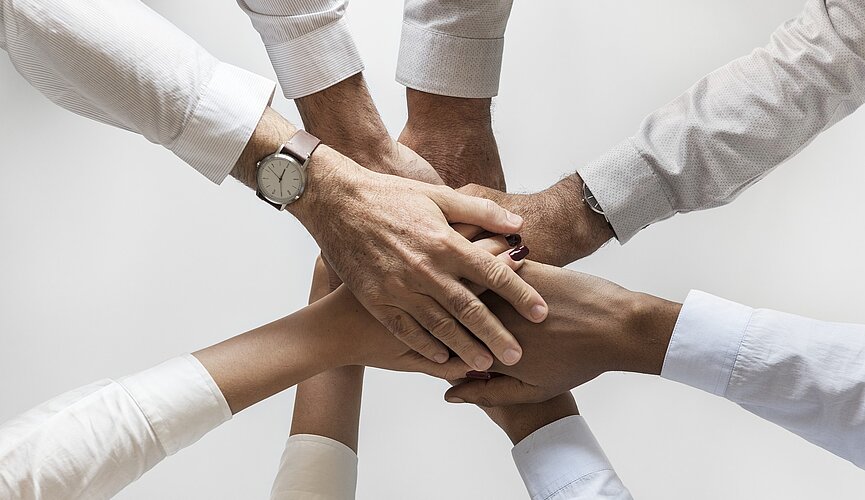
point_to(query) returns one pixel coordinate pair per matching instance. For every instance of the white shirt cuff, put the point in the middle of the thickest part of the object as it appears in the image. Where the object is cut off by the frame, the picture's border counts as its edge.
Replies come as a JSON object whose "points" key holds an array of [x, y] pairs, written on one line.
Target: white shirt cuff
{"points": [[449, 65], [180, 400], [315, 467], [315, 61], [557, 455], [223, 121], [627, 190], [706, 342]]}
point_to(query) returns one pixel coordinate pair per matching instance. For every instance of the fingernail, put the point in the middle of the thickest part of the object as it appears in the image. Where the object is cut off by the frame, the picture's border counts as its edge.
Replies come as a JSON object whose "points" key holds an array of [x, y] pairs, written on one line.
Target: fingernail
{"points": [[515, 219], [519, 253], [441, 358], [453, 399], [511, 356], [513, 239], [539, 312], [478, 375], [482, 363]]}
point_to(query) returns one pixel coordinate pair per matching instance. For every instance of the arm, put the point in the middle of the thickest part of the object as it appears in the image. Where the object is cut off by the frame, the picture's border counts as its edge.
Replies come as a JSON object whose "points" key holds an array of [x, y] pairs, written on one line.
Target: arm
{"points": [[450, 62], [320, 456], [200, 109], [805, 375], [93, 441], [735, 125], [101, 59]]}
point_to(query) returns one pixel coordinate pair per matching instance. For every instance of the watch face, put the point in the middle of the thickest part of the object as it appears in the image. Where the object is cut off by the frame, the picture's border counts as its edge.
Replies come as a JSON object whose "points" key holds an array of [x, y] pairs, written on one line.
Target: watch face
{"points": [[281, 178]]}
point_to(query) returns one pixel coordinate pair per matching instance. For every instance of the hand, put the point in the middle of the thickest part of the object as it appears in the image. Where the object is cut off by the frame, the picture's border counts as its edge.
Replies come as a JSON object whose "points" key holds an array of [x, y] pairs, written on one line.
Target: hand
{"points": [[390, 240], [361, 340], [560, 227], [594, 326]]}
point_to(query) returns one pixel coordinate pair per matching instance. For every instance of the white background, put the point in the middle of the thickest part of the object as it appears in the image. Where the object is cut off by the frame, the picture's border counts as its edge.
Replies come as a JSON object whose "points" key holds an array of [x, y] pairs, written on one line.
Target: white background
{"points": [[115, 256]]}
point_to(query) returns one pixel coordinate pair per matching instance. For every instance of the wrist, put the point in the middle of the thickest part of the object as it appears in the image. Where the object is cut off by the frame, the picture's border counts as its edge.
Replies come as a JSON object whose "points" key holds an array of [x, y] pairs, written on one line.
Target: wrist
{"points": [[271, 132], [519, 421], [649, 329], [344, 117], [455, 135], [330, 177]]}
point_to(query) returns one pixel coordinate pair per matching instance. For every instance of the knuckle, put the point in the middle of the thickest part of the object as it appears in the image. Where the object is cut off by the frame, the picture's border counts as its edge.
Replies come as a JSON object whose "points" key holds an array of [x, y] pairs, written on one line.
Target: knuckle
{"points": [[472, 312], [499, 276], [490, 207], [485, 401]]}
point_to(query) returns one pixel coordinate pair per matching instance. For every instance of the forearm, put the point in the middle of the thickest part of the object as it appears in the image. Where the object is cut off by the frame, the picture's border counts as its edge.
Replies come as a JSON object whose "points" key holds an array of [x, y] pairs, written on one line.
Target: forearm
{"points": [[328, 404], [258, 364], [802, 374], [738, 123], [456, 136], [135, 70], [345, 117]]}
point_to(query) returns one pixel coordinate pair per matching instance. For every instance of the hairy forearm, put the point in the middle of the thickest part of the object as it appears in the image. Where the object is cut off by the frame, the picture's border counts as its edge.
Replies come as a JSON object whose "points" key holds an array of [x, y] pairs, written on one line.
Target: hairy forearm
{"points": [[456, 136], [344, 117]]}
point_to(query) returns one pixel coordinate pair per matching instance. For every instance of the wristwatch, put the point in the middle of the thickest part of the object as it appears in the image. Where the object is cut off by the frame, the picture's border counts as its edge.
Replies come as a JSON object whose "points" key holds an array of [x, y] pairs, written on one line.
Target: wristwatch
{"points": [[592, 202], [281, 177]]}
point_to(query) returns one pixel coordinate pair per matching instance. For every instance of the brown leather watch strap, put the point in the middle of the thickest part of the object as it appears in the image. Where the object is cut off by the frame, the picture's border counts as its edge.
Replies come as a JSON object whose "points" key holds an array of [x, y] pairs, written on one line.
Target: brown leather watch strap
{"points": [[301, 145]]}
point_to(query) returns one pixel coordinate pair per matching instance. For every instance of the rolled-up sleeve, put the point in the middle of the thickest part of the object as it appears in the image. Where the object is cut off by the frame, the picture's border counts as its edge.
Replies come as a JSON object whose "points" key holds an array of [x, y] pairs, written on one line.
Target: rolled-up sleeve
{"points": [[308, 42], [453, 47]]}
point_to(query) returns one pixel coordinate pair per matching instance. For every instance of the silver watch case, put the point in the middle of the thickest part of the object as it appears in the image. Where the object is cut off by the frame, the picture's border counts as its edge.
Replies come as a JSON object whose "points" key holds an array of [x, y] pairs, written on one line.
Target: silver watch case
{"points": [[279, 203]]}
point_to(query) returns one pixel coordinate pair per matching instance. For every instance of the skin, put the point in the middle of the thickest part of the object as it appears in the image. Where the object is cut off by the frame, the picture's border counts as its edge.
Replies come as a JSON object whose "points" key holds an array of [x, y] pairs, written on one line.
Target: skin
{"points": [[456, 136], [334, 332], [595, 326], [370, 225]]}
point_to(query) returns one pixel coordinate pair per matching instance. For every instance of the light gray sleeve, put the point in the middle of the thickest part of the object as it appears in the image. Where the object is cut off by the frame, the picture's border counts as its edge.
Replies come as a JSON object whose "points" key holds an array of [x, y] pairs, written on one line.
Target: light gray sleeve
{"points": [[735, 125], [453, 47]]}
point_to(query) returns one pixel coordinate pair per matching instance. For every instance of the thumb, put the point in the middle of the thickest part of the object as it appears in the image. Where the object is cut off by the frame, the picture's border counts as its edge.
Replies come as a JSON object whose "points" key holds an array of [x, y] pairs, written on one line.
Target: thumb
{"points": [[480, 212], [498, 391]]}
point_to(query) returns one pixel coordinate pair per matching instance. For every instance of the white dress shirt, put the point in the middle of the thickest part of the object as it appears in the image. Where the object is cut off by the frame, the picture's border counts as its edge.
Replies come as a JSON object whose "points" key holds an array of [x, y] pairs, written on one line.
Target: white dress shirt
{"points": [[738, 123], [119, 62], [93, 441], [447, 48]]}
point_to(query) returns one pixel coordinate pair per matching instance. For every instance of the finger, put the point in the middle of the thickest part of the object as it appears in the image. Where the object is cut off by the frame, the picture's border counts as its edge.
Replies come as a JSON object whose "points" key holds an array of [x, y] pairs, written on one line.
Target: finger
{"points": [[413, 362], [409, 332], [480, 212], [512, 258], [493, 274], [468, 231], [477, 318], [498, 391], [449, 331], [493, 245]]}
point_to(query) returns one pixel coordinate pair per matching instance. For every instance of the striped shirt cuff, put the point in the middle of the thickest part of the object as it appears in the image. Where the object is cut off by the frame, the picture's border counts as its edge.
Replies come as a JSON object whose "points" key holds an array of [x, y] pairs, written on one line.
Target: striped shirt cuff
{"points": [[223, 121], [449, 65], [180, 400], [316, 60], [627, 190]]}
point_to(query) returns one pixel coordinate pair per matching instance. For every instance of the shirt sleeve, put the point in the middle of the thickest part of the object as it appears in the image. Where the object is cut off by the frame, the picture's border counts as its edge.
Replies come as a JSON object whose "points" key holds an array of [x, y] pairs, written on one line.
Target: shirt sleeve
{"points": [[93, 441], [119, 62], [805, 375], [563, 461], [738, 123], [315, 467], [308, 42], [453, 48]]}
